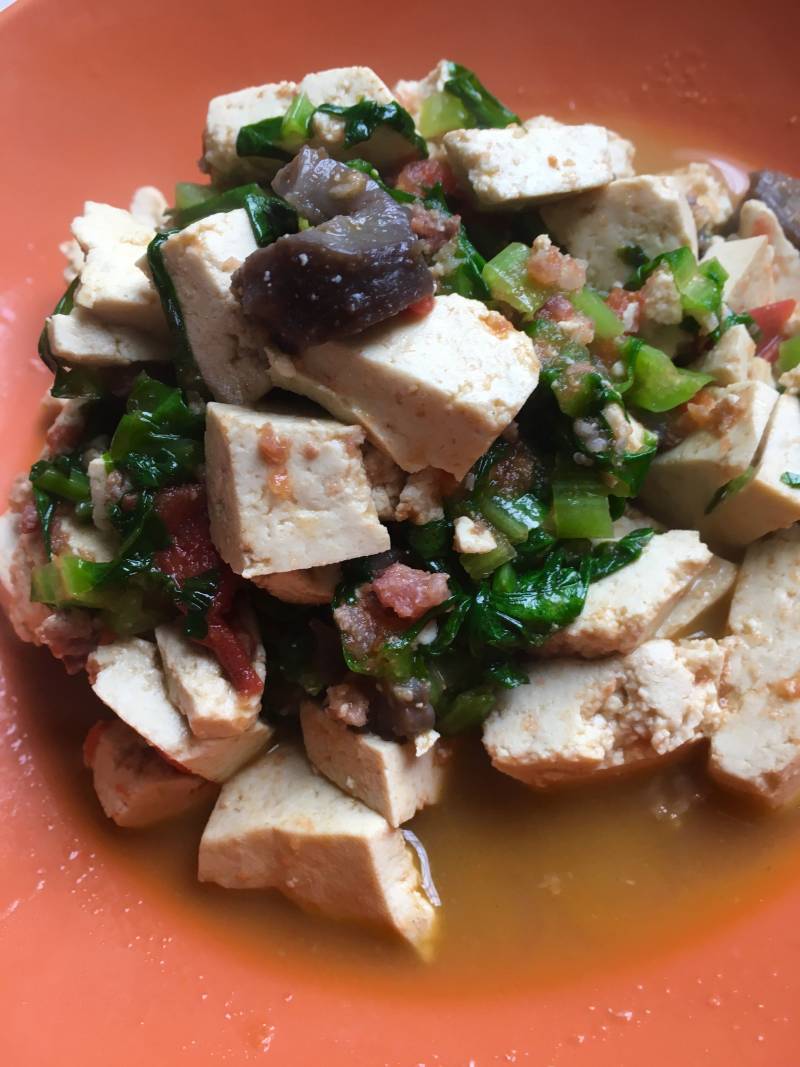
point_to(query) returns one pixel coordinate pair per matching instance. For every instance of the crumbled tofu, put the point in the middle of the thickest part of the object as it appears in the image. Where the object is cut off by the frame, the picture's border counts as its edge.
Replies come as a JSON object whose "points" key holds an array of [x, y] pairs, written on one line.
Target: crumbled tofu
{"points": [[387, 776], [707, 593], [279, 825], [621, 150], [661, 301], [430, 392], [733, 359], [575, 719], [81, 339], [314, 585], [708, 194], [73, 253], [199, 688], [681, 483], [749, 264], [649, 210], [626, 608], [103, 496], [342, 86], [148, 206], [765, 503], [755, 220], [629, 434], [127, 676], [287, 492], [757, 748], [201, 260], [135, 786], [472, 537], [518, 166], [386, 481], [421, 499]]}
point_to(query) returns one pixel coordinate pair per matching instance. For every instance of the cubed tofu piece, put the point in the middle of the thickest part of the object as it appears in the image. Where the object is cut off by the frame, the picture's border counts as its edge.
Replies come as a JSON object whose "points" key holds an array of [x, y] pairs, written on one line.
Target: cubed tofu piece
{"points": [[101, 480], [517, 166], [421, 499], [650, 211], [72, 538], [127, 676], [733, 359], [9, 538], [755, 220], [115, 287], [279, 825], [199, 688], [764, 503], [287, 492], [626, 608], [342, 86], [701, 601], [621, 150], [576, 719], [681, 483], [386, 481], [135, 786], [104, 226], [314, 585], [708, 194], [411, 93], [430, 392], [81, 339], [388, 776], [201, 260], [756, 750], [149, 206], [749, 263]]}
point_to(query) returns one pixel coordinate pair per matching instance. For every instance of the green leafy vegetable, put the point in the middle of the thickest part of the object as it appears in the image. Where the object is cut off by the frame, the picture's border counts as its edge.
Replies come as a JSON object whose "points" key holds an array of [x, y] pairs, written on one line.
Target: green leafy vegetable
{"points": [[263, 139], [729, 489], [63, 307], [61, 478], [791, 478], [197, 597], [466, 710], [700, 285], [270, 216], [188, 373], [400, 195], [465, 274], [190, 195], [611, 556], [484, 109], [655, 383], [361, 120], [81, 383]]}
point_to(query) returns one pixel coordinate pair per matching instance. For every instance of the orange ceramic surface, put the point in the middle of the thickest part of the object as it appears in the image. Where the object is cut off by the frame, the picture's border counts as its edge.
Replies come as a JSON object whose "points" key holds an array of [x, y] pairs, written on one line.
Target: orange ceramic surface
{"points": [[100, 966]]}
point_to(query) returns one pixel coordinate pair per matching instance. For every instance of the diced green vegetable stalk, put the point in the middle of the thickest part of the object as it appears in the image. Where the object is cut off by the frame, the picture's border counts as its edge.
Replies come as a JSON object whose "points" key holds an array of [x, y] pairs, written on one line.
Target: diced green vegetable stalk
{"points": [[700, 285], [189, 195], [480, 565], [60, 477], [607, 325], [441, 112], [789, 353], [654, 382], [296, 125], [580, 502], [263, 139], [508, 280], [467, 710]]}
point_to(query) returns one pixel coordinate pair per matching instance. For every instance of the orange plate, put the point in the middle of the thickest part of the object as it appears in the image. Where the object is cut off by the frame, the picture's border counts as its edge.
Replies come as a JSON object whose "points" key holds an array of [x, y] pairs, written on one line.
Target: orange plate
{"points": [[97, 966]]}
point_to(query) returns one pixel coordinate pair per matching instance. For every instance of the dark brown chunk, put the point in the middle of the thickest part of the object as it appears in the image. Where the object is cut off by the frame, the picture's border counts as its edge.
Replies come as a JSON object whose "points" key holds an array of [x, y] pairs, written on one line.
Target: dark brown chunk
{"points": [[780, 192]]}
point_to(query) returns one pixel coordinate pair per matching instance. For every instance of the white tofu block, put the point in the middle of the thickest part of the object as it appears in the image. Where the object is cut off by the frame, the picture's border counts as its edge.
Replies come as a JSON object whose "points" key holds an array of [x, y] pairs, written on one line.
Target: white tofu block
{"points": [[198, 687], [72, 538], [626, 608], [681, 483], [708, 194], [621, 150], [755, 220], [765, 601], [575, 719], [287, 492], [733, 359], [115, 288], [226, 116], [430, 392], [765, 503], [127, 676], [148, 206], [104, 226], [518, 166], [314, 585], [201, 260], [100, 490], [387, 776], [134, 785], [706, 594], [9, 537], [649, 210], [411, 93], [279, 825], [81, 339], [749, 264]]}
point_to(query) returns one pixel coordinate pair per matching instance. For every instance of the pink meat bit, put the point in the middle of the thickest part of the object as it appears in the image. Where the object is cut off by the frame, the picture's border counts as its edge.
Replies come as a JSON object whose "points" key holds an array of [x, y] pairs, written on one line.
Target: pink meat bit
{"points": [[408, 592]]}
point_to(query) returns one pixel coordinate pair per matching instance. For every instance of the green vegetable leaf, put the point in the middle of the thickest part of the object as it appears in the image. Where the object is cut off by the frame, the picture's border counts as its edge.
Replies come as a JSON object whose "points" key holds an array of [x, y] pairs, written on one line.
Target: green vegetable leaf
{"points": [[791, 478], [441, 112], [729, 489], [270, 216], [361, 120], [700, 284], [466, 711], [611, 556], [483, 107], [466, 264], [82, 383], [263, 139], [197, 596], [400, 195], [63, 307], [186, 367]]}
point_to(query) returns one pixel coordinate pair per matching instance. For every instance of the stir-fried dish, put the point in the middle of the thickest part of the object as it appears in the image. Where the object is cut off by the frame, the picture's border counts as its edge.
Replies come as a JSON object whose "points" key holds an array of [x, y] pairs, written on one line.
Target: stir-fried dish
{"points": [[416, 419]]}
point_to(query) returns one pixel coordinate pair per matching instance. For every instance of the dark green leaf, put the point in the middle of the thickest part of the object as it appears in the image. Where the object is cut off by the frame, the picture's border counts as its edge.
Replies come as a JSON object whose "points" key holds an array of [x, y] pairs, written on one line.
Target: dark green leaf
{"points": [[729, 489], [611, 556], [791, 478], [484, 108], [361, 120], [197, 596]]}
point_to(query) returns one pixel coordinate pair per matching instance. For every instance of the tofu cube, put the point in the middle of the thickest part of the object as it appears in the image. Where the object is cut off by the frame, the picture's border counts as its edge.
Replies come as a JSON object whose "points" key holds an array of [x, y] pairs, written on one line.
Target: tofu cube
{"points": [[226, 116], [314, 585], [201, 260], [104, 226], [708, 194], [430, 392], [134, 785], [756, 750], [387, 776], [649, 210], [278, 825], [81, 339], [701, 601], [681, 483], [733, 359], [100, 487], [519, 166], [749, 263], [287, 492], [621, 150], [764, 503], [149, 206], [755, 220], [127, 676], [199, 688], [625, 609], [72, 538], [576, 719]]}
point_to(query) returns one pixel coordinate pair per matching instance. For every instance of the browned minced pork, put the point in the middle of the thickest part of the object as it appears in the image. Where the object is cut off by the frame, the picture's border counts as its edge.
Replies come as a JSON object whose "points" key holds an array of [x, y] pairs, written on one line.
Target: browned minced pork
{"points": [[347, 703], [549, 266], [578, 326], [409, 592], [433, 228]]}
